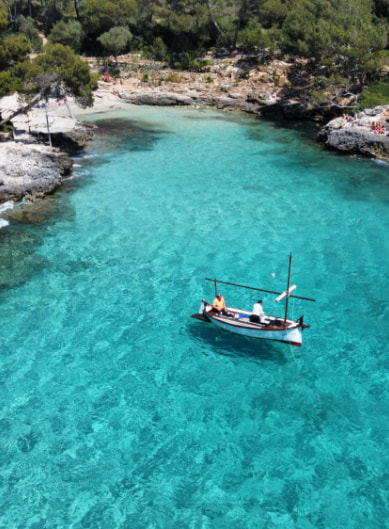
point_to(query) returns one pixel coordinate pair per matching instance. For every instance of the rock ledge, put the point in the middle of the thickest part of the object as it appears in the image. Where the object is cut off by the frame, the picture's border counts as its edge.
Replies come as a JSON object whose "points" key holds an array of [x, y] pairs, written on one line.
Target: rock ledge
{"points": [[29, 168], [357, 135]]}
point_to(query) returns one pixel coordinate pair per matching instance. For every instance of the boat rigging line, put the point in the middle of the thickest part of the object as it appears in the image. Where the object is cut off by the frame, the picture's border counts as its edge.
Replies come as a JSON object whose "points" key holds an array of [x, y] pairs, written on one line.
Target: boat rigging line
{"points": [[254, 288]]}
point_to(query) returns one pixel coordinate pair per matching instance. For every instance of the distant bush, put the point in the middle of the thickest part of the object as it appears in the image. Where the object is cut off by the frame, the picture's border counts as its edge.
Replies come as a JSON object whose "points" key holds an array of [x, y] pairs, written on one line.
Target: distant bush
{"points": [[318, 97], [94, 77], [374, 95], [187, 61], [171, 78], [159, 49]]}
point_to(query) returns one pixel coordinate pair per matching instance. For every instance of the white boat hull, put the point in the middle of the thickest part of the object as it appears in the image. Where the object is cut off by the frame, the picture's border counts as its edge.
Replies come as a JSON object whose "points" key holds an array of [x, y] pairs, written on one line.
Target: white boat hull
{"points": [[238, 322], [292, 336]]}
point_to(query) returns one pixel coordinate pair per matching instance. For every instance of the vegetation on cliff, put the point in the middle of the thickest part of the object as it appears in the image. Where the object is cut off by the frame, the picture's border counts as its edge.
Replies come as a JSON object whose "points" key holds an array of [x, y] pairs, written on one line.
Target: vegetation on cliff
{"points": [[342, 41]]}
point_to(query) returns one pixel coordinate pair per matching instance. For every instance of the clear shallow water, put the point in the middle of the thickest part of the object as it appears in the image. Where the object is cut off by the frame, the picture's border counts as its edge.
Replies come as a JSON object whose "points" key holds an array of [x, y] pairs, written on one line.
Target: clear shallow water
{"points": [[118, 410]]}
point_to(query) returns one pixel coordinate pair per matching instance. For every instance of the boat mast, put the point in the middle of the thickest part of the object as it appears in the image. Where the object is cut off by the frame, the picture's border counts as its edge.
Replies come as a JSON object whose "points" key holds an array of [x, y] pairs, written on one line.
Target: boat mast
{"points": [[287, 289]]}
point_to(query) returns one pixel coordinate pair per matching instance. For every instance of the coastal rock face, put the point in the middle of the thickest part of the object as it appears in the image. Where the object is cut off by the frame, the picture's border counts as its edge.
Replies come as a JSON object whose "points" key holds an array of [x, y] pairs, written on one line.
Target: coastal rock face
{"points": [[155, 98], [71, 141], [201, 98], [29, 168], [357, 135], [66, 132], [30, 171]]}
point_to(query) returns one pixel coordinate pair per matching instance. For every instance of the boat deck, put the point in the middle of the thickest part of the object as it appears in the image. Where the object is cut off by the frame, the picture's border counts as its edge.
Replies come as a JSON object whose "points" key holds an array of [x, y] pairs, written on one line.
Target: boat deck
{"points": [[239, 318]]}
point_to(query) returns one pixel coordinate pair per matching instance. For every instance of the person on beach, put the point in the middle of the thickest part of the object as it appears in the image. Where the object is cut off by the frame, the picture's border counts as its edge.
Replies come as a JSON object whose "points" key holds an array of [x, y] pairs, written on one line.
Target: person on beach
{"points": [[258, 314], [220, 305]]}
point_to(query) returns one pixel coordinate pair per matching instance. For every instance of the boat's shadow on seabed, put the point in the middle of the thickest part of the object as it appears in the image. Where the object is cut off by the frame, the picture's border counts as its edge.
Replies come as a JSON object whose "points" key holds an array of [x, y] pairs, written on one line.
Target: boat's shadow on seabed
{"points": [[213, 340]]}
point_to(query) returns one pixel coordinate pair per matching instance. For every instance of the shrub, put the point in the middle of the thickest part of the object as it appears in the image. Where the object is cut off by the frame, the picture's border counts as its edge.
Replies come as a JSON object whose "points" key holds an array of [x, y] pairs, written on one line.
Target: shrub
{"points": [[374, 95], [171, 78], [94, 77], [159, 49]]}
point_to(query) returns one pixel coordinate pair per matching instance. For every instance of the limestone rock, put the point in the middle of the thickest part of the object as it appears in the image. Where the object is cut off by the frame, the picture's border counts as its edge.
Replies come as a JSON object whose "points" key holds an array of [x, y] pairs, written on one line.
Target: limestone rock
{"points": [[9, 105], [356, 135], [30, 171]]}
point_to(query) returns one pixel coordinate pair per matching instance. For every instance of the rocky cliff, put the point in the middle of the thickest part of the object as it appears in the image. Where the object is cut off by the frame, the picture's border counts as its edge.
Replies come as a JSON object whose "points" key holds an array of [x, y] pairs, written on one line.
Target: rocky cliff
{"points": [[365, 133], [30, 170], [29, 167]]}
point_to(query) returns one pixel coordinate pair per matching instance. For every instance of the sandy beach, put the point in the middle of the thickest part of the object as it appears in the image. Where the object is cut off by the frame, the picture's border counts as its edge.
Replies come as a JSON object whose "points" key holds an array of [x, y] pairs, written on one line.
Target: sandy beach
{"points": [[103, 102]]}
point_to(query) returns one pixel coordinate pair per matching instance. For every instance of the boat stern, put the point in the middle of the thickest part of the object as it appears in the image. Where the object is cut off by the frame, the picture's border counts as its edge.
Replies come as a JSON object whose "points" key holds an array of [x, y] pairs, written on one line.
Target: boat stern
{"points": [[200, 315]]}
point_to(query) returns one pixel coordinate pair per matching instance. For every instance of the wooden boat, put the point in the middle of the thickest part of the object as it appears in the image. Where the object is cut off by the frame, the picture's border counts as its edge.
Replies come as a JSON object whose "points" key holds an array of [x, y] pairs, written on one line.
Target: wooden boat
{"points": [[271, 328]]}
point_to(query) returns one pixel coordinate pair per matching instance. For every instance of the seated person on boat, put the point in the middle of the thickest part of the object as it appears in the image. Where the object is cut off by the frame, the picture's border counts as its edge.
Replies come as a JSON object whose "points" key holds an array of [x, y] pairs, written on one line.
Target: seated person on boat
{"points": [[220, 305], [258, 314]]}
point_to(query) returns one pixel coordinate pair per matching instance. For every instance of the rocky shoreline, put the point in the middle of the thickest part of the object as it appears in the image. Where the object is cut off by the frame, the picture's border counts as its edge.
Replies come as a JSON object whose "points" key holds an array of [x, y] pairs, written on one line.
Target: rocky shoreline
{"points": [[365, 134], [348, 134], [31, 169]]}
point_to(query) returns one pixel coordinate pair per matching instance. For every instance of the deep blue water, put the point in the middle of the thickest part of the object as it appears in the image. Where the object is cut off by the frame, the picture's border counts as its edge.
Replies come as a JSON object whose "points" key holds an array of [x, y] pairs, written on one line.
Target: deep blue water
{"points": [[119, 411]]}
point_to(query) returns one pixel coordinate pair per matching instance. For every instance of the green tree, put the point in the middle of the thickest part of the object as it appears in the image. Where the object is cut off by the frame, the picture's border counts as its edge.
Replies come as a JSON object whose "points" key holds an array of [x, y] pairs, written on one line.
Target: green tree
{"points": [[116, 40], [4, 16], [358, 37], [272, 13], [28, 28], [8, 83], [46, 13], [99, 16], [342, 35], [230, 17], [253, 36], [13, 61], [69, 74], [13, 49], [220, 16], [68, 33]]}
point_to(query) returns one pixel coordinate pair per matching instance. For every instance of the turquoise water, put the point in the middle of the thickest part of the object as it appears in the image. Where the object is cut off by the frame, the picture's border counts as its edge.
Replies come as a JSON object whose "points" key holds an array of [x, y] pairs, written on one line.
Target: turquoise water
{"points": [[120, 411]]}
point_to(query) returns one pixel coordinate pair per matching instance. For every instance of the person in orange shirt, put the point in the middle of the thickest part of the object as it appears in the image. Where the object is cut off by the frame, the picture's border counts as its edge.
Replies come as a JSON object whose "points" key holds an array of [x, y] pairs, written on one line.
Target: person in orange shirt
{"points": [[220, 305]]}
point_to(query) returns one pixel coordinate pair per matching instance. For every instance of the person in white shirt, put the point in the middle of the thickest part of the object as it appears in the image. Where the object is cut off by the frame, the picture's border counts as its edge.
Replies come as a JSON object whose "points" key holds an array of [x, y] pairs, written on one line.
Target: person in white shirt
{"points": [[258, 314]]}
